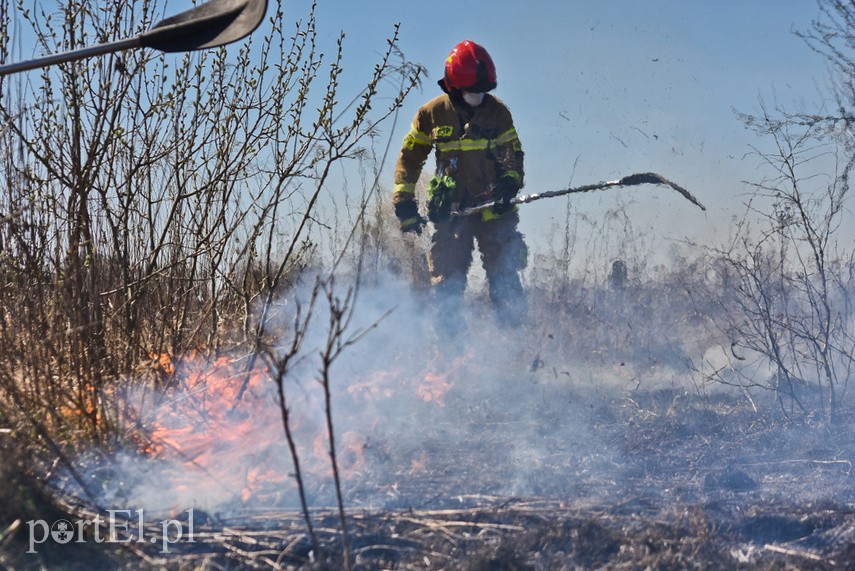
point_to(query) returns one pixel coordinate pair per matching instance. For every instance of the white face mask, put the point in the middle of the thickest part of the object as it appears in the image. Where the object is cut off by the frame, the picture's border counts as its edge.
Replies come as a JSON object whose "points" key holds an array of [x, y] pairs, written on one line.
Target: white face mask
{"points": [[473, 99]]}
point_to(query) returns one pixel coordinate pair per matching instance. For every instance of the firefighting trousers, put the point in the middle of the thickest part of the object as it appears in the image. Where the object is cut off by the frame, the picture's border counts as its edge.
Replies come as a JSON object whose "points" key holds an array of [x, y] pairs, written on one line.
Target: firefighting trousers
{"points": [[503, 255]]}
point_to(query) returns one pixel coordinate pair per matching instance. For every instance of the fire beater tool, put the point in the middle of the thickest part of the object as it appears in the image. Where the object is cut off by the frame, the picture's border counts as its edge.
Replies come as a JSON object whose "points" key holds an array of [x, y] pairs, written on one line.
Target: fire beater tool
{"points": [[214, 23], [631, 180]]}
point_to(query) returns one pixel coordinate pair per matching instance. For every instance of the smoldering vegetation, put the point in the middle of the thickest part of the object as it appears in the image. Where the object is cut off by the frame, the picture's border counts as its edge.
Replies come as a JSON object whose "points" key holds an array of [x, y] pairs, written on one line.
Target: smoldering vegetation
{"points": [[599, 435], [510, 449]]}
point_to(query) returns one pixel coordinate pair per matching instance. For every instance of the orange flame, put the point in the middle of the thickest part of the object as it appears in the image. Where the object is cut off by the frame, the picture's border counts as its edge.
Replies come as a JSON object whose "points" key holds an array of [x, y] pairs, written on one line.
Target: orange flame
{"points": [[434, 388], [350, 455], [241, 443], [207, 428]]}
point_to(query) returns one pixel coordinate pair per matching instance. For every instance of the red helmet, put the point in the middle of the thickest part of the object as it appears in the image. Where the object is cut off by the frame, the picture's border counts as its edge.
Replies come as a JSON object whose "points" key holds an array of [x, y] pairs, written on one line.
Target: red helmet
{"points": [[469, 67]]}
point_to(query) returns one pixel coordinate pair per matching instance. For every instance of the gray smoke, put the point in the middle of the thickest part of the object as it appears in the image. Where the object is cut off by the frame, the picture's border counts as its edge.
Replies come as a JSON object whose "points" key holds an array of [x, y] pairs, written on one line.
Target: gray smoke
{"points": [[417, 415]]}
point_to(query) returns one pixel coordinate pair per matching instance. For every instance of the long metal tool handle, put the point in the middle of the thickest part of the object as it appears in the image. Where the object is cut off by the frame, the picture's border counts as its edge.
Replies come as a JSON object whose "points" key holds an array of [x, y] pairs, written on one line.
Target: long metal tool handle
{"points": [[631, 180], [72, 55], [208, 25]]}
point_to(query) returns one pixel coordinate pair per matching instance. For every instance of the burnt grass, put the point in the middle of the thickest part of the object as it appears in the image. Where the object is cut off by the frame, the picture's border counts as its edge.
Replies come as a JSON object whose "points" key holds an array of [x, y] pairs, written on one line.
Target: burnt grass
{"points": [[567, 479], [657, 479], [558, 468]]}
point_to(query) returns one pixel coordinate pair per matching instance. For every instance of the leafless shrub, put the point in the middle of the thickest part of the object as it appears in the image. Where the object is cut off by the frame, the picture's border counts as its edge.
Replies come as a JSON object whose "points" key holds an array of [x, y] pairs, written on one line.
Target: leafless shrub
{"points": [[832, 35], [786, 278], [786, 294], [153, 205]]}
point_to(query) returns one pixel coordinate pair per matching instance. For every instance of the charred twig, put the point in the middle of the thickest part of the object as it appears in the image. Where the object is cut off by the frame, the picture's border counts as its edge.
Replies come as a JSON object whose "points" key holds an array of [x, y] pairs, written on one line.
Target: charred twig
{"points": [[280, 368], [816, 462], [341, 313], [9, 532], [459, 523], [792, 552], [290, 547], [402, 549], [153, 562], [255, 559]]}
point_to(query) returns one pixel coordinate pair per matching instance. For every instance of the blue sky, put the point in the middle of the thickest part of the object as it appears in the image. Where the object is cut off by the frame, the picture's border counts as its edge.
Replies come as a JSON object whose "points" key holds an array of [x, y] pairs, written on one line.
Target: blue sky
{"points": [[607, 88]]}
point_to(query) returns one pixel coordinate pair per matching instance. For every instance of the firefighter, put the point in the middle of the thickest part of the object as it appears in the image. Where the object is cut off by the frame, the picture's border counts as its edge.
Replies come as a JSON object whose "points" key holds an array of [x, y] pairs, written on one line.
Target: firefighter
{"points": [[478, 159]]}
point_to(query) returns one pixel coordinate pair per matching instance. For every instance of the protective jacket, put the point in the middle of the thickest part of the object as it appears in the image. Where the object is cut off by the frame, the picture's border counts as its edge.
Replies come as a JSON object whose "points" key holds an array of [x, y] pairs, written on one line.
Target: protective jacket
{"points": [[475, 147]]}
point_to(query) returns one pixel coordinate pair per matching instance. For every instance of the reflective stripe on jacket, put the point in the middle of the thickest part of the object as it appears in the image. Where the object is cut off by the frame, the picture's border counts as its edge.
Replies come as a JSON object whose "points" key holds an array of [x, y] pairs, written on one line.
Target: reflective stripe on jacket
{"points": [[475, 149]]}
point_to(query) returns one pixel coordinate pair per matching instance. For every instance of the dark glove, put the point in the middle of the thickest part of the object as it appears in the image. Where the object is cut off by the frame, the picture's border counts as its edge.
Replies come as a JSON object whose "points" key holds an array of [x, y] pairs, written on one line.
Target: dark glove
{"points": [[504, 191], [408, 215]]}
